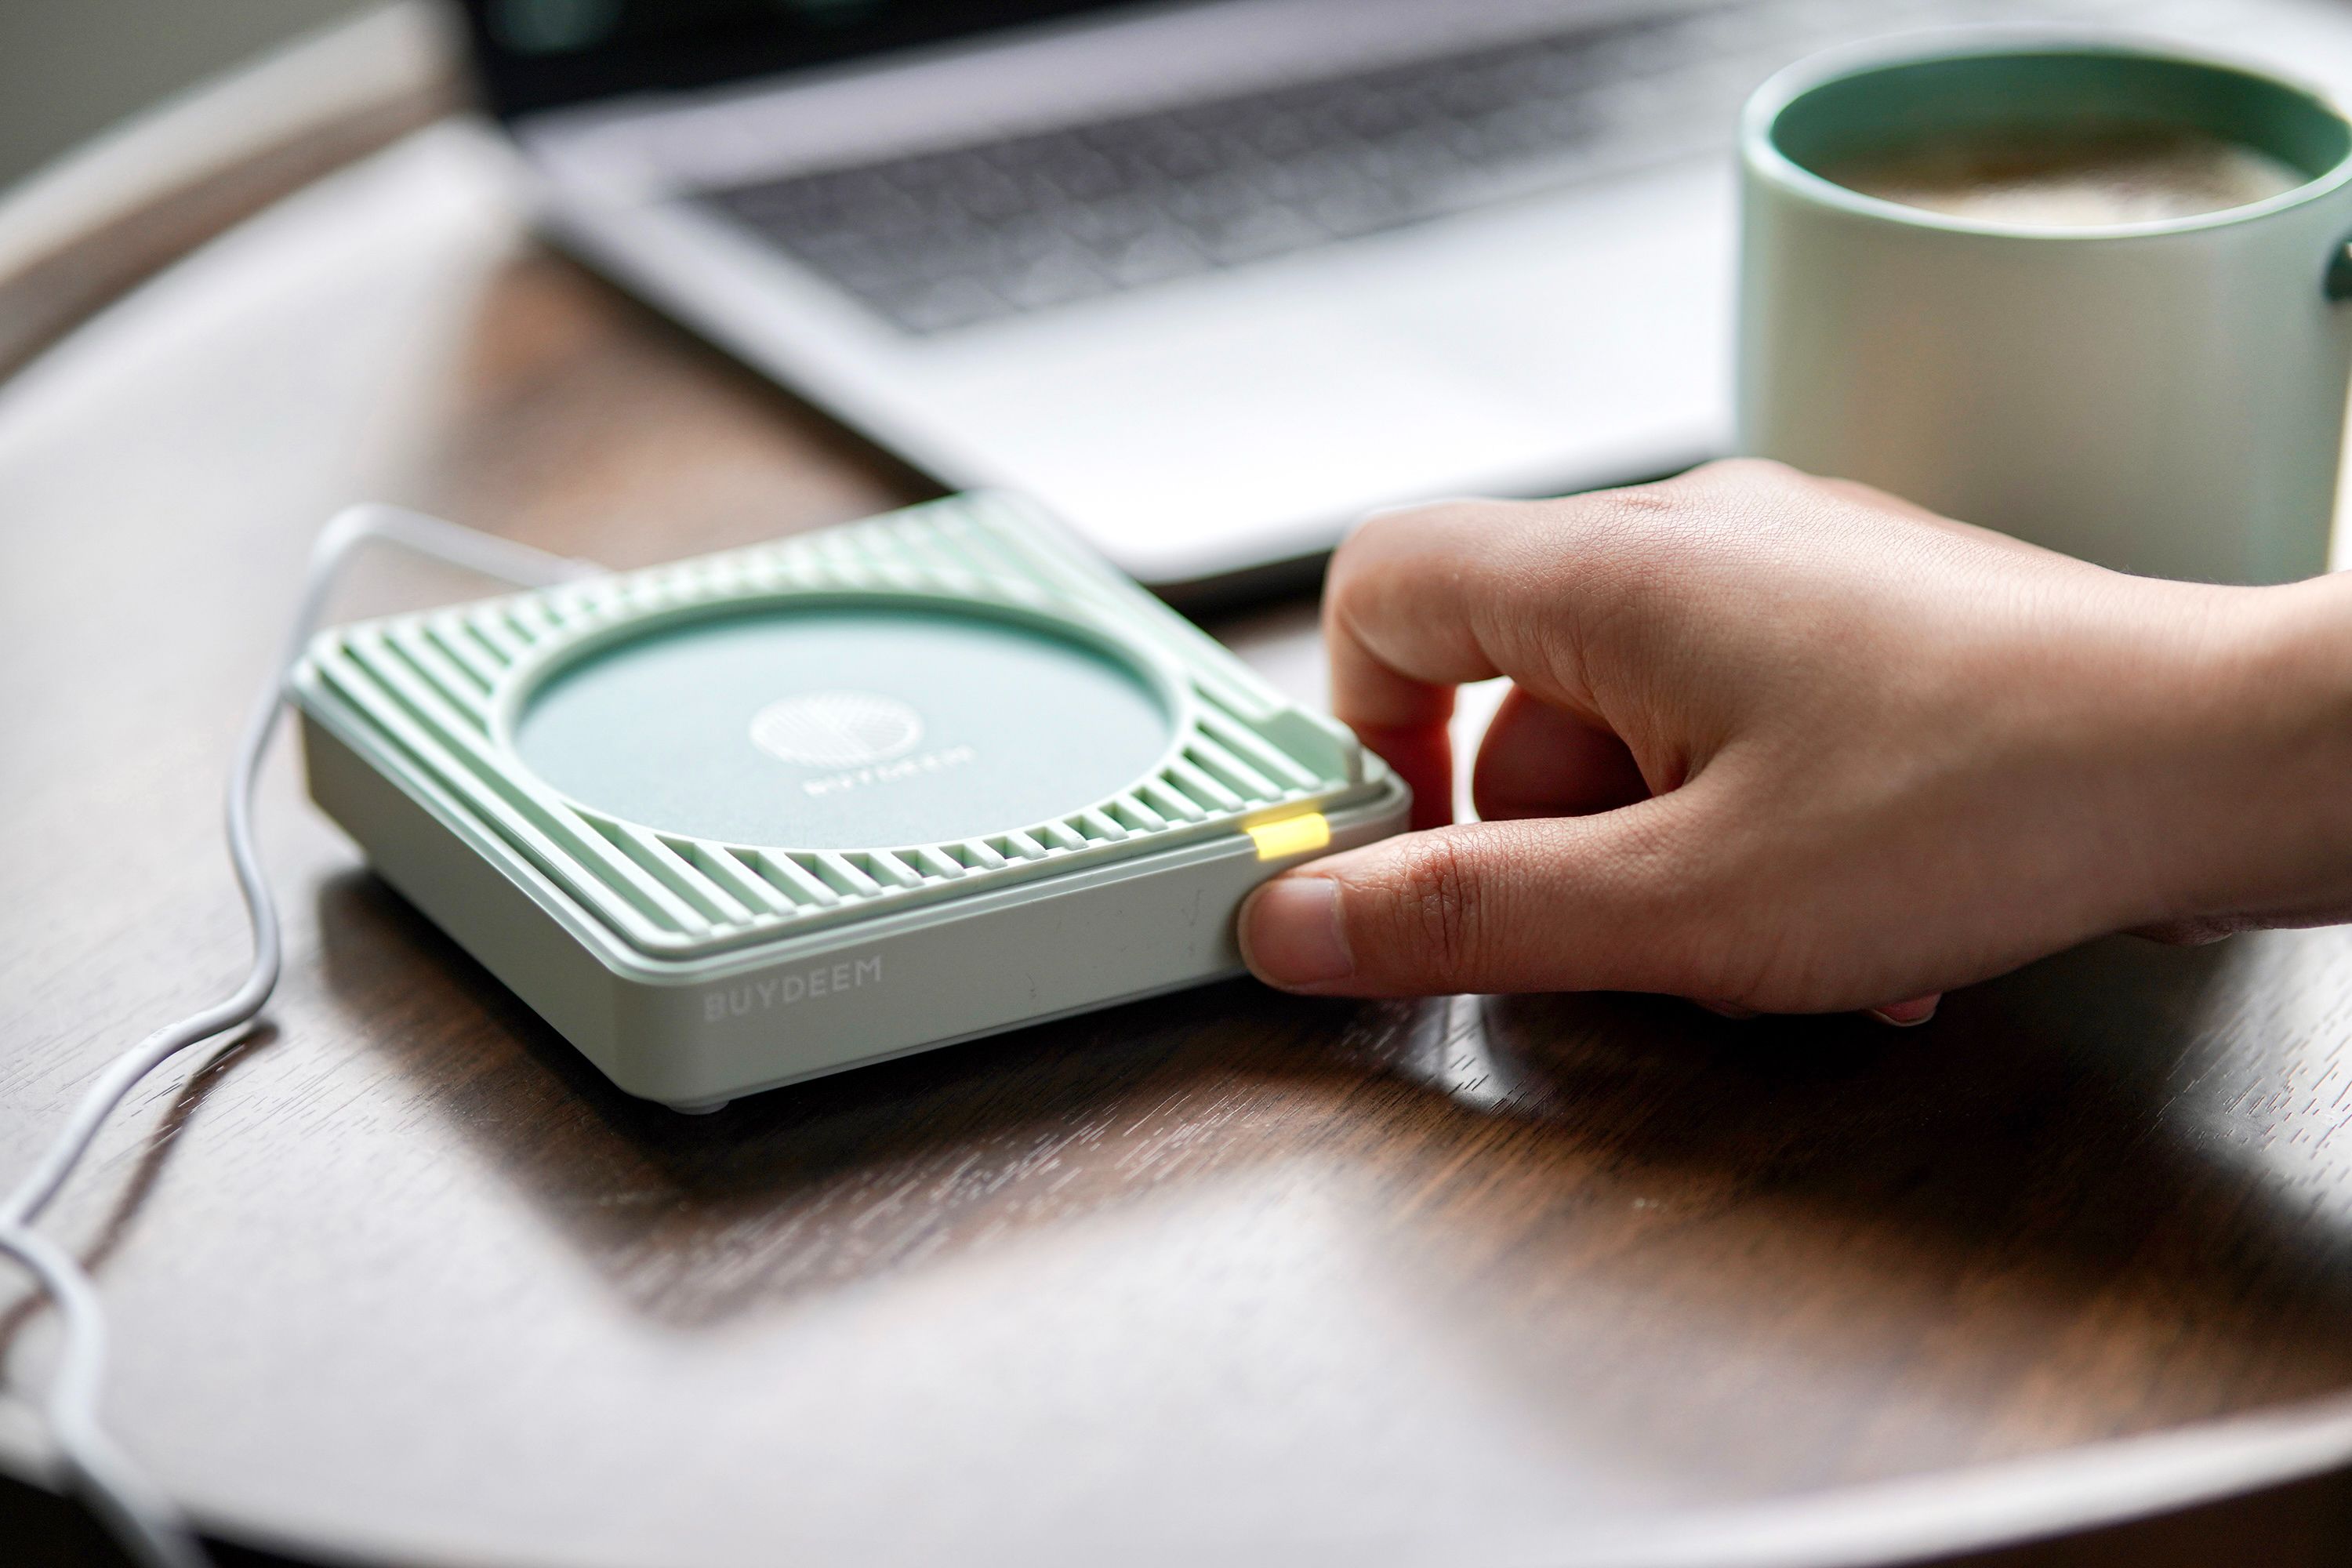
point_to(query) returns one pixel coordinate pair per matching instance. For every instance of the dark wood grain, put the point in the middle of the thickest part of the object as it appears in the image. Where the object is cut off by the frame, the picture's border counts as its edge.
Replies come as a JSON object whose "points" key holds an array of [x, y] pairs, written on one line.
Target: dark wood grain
{"points": [[396, 1276]]}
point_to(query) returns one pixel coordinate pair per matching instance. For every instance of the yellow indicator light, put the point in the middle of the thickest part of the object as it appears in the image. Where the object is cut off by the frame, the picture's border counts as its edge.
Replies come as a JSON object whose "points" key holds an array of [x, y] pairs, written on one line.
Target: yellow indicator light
{"points": [[1281, 839]]}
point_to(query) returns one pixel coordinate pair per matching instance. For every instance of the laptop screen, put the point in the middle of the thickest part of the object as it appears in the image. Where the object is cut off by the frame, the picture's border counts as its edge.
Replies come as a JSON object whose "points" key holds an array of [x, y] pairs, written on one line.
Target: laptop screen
{"points": [[543, 53]]}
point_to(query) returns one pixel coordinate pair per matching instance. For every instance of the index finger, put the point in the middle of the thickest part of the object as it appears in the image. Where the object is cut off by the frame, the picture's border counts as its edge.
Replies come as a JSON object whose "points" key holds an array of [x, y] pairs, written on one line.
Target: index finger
{"points": [[1420, 602]]}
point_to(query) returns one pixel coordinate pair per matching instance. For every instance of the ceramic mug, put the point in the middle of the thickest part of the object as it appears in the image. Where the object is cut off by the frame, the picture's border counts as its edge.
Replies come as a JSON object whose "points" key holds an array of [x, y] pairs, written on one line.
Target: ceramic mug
{"points": [[2167, 398]]}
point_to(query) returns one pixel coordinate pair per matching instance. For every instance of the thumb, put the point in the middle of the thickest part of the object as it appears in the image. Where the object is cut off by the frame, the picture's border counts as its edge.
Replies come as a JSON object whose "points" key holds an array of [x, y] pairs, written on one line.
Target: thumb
{"points": [[1602, 902]]}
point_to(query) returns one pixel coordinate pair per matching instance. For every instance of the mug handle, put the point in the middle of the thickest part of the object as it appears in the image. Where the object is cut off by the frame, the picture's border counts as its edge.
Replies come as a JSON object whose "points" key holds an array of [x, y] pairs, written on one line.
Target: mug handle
{"points": [[2338, 287]]}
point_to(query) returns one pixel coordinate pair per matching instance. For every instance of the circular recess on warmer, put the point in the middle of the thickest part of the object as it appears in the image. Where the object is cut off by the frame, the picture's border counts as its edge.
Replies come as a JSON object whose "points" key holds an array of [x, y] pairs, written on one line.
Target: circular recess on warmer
{"points": [[843, 726]]}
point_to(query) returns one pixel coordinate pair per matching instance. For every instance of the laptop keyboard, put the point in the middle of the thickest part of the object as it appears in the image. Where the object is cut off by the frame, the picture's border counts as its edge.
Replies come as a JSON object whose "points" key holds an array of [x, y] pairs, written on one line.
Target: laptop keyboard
{"points": [[944, 239]]}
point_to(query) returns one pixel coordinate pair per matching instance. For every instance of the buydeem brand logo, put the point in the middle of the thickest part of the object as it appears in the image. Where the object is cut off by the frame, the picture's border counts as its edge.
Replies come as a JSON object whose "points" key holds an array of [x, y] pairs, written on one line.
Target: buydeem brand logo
{"points": [[836, 730], [770, 992], [858, 738]]}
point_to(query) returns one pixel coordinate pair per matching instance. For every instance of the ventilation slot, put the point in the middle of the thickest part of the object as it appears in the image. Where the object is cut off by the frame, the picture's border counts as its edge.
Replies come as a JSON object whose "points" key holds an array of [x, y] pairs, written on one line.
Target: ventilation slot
{"points": [[890, 871], [937, 863], [1237, 775], [441, 674], [671, 869], [480, 662], [728, 870], [499, 632], [1200, 788], [532, 618], [1135, 816], [958, 572], [841, 876], [795, 881], [1246, 742]]}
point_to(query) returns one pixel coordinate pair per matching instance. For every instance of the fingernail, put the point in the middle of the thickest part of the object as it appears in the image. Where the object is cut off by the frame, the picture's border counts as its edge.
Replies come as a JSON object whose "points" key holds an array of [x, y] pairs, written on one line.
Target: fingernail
{"points": [[1291, 936], [1725, 1009], [1907, 1015]]}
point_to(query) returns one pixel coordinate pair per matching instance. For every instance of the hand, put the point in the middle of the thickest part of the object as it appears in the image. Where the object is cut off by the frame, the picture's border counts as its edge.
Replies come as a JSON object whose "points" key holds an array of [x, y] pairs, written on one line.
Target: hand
{"points": [[1785, 744]]}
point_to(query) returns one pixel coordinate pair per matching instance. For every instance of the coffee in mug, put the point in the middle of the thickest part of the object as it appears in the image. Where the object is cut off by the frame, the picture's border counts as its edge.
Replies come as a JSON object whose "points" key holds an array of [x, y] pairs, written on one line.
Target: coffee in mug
{"points": [[2075, 178]]}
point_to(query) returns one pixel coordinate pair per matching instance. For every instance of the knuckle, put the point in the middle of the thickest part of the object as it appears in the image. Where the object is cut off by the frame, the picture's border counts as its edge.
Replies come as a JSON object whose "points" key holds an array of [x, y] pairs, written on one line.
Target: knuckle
{"points": [[1375, 541], [1415, 527], [1606, 554], [1582, 541], [1761, 472], [1652, 537], [1389, 552], [1747, 486]]}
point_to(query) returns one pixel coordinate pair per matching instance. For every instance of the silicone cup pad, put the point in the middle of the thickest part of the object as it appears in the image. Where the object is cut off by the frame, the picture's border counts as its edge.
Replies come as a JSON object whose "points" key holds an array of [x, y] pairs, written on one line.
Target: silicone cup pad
{"points": [[843, 728]]}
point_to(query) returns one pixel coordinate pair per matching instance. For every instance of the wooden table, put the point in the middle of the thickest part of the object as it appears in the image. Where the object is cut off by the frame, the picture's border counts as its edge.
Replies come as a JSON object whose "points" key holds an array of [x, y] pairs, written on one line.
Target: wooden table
{"points": [[397, 1278]]}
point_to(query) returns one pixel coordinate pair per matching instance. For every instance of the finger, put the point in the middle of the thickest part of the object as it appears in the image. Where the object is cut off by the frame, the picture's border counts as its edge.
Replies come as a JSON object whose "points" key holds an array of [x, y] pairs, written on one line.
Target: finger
{"points": [[1541, 760], [1423, 758], [2189, 932], [1908, 1015], [1606, 903], [1409, 614], [2197, 931]]}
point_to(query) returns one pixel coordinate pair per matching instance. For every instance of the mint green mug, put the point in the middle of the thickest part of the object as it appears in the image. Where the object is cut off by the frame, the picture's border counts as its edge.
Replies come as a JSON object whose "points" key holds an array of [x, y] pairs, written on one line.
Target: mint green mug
{"points": [[2165, 397]]}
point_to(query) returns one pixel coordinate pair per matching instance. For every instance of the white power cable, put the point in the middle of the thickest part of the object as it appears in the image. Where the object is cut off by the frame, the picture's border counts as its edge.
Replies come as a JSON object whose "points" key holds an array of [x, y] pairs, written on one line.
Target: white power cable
{"points": [[141, 1517]]}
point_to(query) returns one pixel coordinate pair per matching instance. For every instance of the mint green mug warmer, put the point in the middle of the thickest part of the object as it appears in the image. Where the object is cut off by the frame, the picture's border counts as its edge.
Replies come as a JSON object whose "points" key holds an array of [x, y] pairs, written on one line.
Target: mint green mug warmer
{"points": [[2166, 398]]}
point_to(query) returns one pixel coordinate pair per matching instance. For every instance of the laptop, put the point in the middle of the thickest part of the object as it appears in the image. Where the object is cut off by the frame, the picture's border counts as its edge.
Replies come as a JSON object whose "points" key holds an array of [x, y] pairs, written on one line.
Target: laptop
{"points": [[1210, 280]]}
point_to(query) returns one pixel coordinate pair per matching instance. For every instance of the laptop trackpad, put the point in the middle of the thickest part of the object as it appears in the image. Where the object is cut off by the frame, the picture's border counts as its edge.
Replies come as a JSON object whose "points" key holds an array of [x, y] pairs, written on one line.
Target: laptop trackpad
{"points": [[1543, 344]]}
